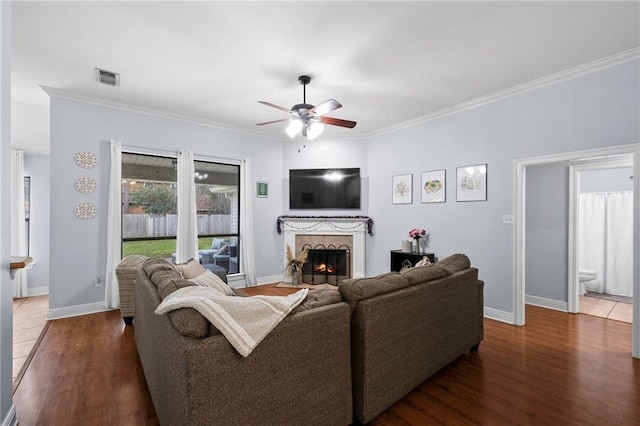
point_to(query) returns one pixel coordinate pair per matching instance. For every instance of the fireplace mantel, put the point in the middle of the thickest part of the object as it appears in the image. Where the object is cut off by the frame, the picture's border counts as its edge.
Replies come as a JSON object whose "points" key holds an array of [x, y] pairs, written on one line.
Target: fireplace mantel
{"points": [[356, 227]]}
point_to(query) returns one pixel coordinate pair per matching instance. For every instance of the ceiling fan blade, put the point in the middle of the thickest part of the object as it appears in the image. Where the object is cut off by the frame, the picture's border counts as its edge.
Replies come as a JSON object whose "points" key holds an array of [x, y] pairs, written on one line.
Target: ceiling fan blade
{"points": [[338, 122], [326, 107], [271, 122], [274, 106]]}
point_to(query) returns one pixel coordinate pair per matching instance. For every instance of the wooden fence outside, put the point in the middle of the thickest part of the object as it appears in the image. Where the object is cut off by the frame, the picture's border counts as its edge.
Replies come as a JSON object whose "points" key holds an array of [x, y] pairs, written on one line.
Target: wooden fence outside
{"points": [[145, 225]]}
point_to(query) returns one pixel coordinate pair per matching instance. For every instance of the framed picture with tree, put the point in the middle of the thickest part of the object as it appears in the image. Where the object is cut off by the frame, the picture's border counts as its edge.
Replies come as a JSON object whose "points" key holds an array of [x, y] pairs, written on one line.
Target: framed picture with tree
{"points": [[401, 187]]}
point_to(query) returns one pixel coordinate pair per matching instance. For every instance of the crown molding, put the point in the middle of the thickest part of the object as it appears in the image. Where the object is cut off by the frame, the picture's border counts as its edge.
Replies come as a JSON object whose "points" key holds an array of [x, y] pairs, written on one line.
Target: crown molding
{"points": [[589, 67], [571, 73], [123, 106]]}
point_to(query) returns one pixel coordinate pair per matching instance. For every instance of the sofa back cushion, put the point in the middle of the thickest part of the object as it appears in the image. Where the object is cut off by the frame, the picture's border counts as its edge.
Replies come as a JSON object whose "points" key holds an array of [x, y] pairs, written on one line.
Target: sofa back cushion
{"points": [[420, 274], [355, 289], [167, 279], [455, 263]]}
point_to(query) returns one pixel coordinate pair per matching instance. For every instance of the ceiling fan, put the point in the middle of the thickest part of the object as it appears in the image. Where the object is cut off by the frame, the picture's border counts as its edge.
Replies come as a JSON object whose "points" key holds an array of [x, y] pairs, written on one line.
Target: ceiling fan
{"points": [[307, 119]]}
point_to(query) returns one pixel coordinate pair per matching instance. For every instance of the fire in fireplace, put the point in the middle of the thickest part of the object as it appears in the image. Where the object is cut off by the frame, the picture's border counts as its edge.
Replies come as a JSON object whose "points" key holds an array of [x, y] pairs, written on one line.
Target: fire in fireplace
{"points": [[326, 264]]}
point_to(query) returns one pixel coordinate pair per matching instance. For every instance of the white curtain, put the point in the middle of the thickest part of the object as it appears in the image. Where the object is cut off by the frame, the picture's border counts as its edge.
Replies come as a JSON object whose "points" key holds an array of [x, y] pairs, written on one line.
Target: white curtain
{"points": [[114, 228], [18, 231], [187, 233], [247, 249], [606, 241]]}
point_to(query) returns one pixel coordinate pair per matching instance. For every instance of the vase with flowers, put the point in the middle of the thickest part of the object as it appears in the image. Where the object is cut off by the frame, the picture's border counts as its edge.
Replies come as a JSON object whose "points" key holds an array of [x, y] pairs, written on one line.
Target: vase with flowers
{"points": [[416, 234], [295, 264]]}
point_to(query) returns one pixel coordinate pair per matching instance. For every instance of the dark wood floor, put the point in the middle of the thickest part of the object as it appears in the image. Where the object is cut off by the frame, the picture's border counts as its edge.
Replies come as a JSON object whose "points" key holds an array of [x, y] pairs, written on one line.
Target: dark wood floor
{"points": [[558, 369]]}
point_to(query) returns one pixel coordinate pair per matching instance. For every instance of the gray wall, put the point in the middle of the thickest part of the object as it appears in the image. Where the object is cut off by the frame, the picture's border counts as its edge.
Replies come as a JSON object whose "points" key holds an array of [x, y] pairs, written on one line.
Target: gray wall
{"points": [[38, 168], [595, 110], [78, 247], [547, 231], [6, 286], [607, 180]]}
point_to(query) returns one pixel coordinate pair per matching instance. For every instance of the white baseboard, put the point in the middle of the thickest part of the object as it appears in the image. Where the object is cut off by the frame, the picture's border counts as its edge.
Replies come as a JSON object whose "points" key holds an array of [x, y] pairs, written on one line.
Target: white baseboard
{"points": [[11, 419], [74, 311], [498, 315], [546, 303], [37, 291], [271, 279]]}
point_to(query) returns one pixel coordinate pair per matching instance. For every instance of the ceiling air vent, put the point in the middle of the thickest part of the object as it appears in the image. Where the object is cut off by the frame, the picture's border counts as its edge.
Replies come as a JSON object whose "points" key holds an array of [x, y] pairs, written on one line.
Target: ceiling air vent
{"points": [[107, 77]]}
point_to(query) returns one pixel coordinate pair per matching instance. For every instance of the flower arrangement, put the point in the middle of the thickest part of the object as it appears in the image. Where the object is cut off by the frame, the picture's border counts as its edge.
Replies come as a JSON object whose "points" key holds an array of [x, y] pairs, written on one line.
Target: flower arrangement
{"points": [[416, 233], [294, 264]]}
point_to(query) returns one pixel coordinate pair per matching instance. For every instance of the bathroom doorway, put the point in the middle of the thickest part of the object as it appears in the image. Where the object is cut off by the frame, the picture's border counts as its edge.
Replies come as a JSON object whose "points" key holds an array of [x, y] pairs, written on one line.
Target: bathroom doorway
{"points": [[601, 250], [520, 237]]}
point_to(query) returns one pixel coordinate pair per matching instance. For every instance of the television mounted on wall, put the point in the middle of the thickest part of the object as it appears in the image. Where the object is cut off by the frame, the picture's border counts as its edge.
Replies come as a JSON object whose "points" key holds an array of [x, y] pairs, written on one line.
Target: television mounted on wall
{"points": [[320, 189]]}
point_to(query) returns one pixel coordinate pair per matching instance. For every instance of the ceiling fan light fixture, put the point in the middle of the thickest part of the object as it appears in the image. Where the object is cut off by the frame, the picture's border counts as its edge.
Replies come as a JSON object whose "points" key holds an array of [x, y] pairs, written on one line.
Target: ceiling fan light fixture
{"points": [[314, 130], [294, 127]]}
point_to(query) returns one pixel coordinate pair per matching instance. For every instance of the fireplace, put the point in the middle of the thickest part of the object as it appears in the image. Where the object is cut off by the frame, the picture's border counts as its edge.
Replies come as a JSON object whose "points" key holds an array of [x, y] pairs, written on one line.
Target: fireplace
{"points": [[327, 231], [326, 264]]}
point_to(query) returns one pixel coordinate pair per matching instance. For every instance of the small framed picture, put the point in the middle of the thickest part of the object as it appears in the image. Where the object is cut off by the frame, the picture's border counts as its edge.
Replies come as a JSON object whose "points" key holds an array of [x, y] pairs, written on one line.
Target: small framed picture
{"points": [[263, 189], [471, 183], [434, 186], [401, 189]]}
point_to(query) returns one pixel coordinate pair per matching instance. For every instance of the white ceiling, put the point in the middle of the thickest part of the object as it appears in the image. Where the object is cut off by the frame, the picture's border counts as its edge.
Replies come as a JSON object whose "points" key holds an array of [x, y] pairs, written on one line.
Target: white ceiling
{"points": [[388, 63]]}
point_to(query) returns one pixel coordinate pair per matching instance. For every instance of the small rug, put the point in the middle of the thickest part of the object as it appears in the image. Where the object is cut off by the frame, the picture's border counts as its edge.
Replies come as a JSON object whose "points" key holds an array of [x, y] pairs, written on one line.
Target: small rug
{"points": [[612, 297], [310, 286]]}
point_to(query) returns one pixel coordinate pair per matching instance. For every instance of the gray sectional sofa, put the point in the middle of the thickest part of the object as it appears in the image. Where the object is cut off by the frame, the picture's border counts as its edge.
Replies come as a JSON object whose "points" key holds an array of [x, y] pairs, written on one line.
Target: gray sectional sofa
{"points": [[299, 374], [329, 362], [406, 326]]}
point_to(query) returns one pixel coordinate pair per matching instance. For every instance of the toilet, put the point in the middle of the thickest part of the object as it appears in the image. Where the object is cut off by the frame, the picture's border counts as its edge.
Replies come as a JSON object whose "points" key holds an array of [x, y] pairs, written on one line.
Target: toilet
{"points": [[584, 276]]}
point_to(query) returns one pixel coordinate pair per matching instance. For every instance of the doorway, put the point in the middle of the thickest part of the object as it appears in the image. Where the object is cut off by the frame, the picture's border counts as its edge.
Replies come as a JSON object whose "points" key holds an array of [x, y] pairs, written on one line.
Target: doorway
{"points": [[594, 155], [600, 246]]}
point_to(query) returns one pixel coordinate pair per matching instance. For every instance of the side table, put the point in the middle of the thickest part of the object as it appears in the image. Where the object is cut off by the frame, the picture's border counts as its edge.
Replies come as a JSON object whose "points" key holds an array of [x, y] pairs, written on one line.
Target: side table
{"points": [[398, 257]]}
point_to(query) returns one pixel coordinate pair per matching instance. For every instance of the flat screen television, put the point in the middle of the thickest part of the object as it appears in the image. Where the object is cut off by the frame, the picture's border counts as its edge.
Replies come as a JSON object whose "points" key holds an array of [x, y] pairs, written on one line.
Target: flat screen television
{"points": [[318, 189]]}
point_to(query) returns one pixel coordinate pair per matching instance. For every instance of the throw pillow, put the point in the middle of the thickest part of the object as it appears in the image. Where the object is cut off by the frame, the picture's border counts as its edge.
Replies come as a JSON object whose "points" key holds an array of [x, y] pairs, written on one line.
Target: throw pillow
{"points": [[191, 269], [223, 250], [423, 262], [211, 280]]}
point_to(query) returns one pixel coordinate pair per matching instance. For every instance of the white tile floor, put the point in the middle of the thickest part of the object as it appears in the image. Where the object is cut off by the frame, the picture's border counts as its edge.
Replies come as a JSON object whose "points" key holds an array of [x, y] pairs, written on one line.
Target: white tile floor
{"points": [[29, 318], [618, 311]]}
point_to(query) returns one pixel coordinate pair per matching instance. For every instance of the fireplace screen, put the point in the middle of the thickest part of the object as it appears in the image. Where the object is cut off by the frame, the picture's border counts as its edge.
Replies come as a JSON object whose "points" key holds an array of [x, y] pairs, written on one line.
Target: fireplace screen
{"points": [[326, 264]]}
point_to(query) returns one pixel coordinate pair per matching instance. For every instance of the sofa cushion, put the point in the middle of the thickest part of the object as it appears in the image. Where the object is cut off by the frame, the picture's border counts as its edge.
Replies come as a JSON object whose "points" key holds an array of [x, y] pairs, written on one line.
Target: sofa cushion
{"points": [[190, 323], [420, 274], [156, 264], [168, 285], [317, 298], [190, 269], [354, 289], [211, 280], [455, 263]]}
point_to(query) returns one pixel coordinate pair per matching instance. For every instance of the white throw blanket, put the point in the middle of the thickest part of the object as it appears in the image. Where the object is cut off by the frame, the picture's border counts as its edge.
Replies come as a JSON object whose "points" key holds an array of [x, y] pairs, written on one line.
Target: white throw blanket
{"points": [[244, 321]]}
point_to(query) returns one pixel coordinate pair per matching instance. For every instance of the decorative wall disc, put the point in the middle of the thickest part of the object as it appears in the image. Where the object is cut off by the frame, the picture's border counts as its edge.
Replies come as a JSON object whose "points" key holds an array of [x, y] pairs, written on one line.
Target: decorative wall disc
{"points": [[86, 185], [85, 211], [86, 160]]}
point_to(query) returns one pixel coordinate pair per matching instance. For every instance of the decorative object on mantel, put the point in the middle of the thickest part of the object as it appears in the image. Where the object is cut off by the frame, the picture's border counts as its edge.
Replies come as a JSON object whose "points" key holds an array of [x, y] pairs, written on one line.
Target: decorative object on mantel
{"points": [[325, 219], [295, 264], [85, 211], [85, 185], [416, 234], [86, 160]]}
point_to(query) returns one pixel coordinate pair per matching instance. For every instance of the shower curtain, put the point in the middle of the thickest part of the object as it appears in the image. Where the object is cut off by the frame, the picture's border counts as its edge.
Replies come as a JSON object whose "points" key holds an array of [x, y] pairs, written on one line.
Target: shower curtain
{"points": [[606, 240]]}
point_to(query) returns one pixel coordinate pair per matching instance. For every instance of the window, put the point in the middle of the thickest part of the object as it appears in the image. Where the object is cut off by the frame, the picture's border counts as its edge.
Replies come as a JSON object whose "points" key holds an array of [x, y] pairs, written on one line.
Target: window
{"points": [[218, 208], [149, 205], [149, 210]]}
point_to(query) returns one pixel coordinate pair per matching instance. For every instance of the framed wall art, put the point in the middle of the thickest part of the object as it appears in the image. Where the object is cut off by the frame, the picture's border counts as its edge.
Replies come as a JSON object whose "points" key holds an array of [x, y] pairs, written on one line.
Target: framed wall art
{"points": [[434, 186], [401, 189], [262, 190], [471, 183]]}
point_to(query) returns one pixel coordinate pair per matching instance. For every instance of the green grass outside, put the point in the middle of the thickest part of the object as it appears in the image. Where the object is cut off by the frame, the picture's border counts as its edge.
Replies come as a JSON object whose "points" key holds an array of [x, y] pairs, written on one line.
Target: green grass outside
{"points": [[158, 248]]}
